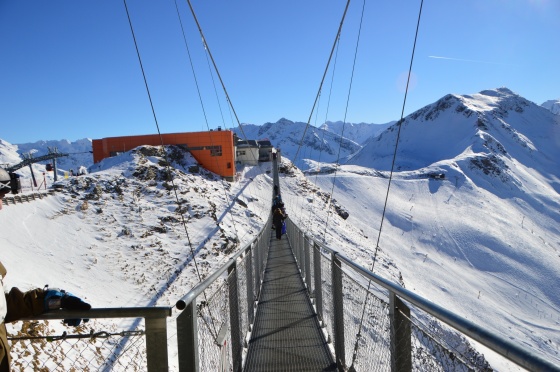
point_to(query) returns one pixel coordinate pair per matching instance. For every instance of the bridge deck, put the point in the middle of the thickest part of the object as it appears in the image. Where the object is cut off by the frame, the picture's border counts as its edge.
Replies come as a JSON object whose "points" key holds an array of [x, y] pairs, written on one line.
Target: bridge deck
{"points": [[286, 335]]}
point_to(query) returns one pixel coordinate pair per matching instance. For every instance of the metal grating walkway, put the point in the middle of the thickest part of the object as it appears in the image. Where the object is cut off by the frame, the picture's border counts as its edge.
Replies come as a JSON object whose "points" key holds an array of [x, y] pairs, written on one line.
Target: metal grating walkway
{"points": [[286, 335]]}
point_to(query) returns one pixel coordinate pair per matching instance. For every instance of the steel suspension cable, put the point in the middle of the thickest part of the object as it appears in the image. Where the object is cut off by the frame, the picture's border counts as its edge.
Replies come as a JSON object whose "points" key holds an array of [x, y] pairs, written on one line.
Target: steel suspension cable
{"points": [[358, 335], [323, 133], [216, 68], [215, 90], [202, 104], [345, 114], [335, 43], [168, 167], [323, 78]]}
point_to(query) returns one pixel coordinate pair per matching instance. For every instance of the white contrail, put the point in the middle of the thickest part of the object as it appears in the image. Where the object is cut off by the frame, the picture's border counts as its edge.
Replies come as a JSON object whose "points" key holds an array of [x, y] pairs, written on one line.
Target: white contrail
{"points": [[468, 60]]}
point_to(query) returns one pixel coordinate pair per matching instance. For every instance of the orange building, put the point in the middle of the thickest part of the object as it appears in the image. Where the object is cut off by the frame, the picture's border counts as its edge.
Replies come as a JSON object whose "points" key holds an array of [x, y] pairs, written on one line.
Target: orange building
{"points": [[213, 150]]}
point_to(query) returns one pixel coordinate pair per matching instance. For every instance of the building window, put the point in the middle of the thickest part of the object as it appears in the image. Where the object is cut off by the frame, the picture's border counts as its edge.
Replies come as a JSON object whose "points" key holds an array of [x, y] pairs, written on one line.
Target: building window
{"points": [[228, 165], [216, 151], [242, 152]]}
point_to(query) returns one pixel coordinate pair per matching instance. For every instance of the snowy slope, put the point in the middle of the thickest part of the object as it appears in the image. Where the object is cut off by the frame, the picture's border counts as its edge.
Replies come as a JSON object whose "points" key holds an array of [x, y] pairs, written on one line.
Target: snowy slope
{"points": [[357, 132], [553, 105], [116, 236]]}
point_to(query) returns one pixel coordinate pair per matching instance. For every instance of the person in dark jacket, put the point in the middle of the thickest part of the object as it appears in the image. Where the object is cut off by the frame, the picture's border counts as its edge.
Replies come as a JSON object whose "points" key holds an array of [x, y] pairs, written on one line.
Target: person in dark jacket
{"points": [[277, 219], [15, 304]]}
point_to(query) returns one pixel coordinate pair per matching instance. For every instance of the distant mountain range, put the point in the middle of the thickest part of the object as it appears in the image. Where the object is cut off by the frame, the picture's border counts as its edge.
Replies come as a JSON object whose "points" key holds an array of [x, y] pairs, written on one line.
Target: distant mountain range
{"points": [[496, 129], [457, 122]]}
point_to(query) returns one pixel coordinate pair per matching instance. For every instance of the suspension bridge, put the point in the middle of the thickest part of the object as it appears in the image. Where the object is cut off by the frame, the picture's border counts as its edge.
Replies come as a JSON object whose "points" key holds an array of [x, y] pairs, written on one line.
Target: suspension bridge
{"points": [[296, 305], [288, 305]]}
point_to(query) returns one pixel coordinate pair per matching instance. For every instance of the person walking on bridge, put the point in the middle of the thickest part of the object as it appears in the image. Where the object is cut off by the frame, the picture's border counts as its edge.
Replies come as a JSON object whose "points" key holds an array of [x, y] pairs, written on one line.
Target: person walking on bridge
{"points": [[278, 218]]}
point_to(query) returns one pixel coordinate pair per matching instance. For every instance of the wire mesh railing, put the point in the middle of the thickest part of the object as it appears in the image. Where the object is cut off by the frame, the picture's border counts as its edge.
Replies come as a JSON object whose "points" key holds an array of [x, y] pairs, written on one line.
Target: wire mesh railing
{"points": [[229, 310], [119, 339], [91, 351], [376, 325]]}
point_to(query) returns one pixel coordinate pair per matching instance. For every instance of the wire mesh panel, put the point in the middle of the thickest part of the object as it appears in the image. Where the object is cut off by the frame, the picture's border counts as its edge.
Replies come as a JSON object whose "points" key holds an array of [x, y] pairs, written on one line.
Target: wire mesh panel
{"points": [[373, 349], [367, 341], [242, 295], [327, 293], [311, 266], [435, 347], [234, 315], [31, 350], [213, 320]]}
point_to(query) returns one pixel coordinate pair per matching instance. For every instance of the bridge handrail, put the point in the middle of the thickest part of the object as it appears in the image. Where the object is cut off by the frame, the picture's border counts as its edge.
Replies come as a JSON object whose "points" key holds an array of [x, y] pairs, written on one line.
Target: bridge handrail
{"points": [[110, 312], [182, 303], [521, 356], [155, 323]]}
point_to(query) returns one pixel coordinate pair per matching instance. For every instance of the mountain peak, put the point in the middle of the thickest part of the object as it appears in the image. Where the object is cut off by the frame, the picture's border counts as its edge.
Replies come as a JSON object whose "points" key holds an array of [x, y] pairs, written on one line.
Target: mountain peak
{"points": [[552, 105], [284, 121], [499, 92]]}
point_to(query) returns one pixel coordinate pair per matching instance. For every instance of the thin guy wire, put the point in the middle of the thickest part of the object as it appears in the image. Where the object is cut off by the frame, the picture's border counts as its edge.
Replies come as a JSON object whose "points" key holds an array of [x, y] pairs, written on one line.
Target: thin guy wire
{"points": [[160, 137], [358, 335], [216, 68], [345, 114], [227, 196], [323, 134], [215, 333], [323, 79]]}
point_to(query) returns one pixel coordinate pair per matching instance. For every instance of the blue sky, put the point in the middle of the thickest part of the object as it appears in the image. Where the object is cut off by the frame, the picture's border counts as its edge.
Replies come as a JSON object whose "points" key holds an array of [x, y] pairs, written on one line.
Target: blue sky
{"points": [[69, 69]]}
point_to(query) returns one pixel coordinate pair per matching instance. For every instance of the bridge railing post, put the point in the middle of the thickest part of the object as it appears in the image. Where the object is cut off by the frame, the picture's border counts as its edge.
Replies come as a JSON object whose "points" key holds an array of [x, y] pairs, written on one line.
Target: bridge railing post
{"points": [[299, 250], [307, 264], [236, 346], [401, 346], [302, 255], [250, 289], [318, 290], [338, 312], [156, 344], [187, 339], [258, 265]]}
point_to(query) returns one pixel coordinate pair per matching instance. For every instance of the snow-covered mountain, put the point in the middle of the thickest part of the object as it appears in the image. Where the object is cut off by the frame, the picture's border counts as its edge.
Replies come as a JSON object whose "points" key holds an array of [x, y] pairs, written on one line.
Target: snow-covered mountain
{"points": [[317, 144], [552, 105], [483, 242], [357, 132], [495, 130], [489, 226], [79, 152]]}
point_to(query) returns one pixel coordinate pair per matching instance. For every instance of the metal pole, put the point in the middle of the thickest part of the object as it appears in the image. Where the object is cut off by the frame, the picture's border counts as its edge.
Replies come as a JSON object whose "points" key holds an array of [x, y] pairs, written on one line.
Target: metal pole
{"points": [[187, 339], [250, 291], [307, 265], [258, 264], [156, 344], [318, 287], [401, 346], [338, 313], [33, 175], [236, 346], [54, 170]]}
